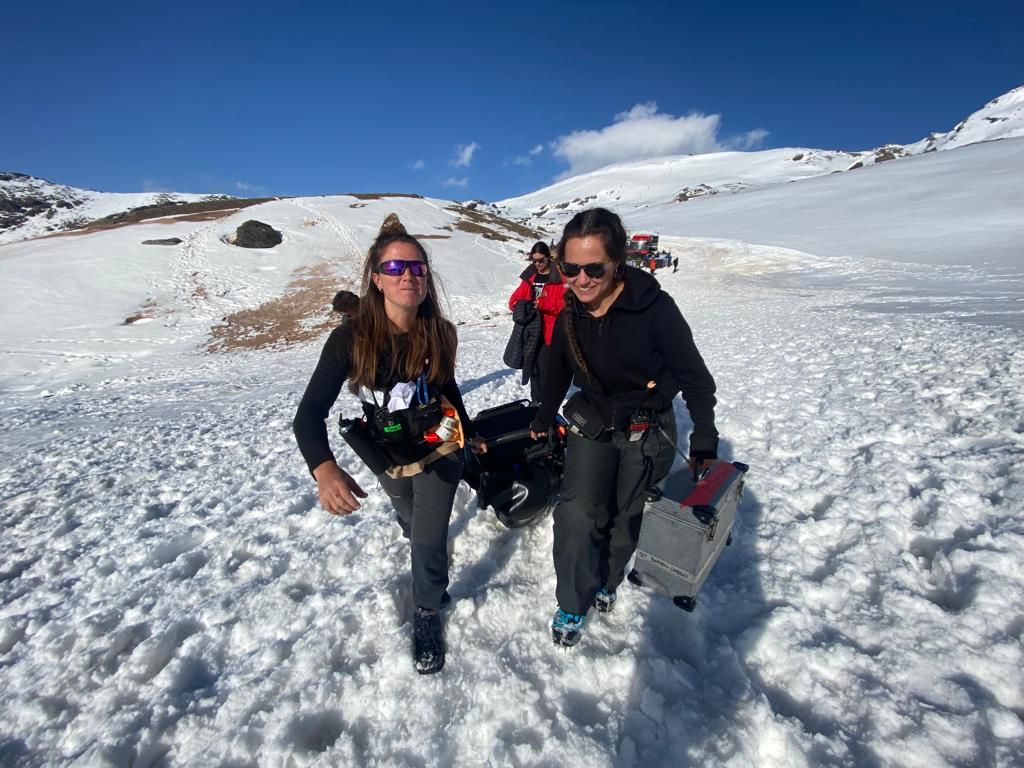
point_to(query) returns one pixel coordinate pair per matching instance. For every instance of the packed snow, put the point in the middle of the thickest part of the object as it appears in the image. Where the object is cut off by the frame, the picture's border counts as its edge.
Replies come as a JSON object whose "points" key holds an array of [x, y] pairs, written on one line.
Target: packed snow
{"points": [[172, 594]]}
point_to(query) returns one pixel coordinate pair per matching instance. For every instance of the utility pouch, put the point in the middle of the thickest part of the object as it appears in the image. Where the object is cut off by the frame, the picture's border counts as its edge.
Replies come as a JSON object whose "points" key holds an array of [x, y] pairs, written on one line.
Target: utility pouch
{"points": [[389, 425], [407, 425], [356, 432], [423, 418], [583, 418], [638, 425]]}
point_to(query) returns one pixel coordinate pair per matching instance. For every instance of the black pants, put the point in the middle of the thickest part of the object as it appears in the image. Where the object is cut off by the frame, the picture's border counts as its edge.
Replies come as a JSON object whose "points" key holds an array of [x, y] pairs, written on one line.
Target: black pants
{"points": [[597, 521], [423, 504], [540, 367]]}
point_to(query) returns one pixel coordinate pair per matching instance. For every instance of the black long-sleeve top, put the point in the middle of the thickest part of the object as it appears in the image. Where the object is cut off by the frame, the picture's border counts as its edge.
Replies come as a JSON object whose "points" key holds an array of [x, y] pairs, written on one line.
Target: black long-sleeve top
{"points": [[331, 372], [642, 337]]}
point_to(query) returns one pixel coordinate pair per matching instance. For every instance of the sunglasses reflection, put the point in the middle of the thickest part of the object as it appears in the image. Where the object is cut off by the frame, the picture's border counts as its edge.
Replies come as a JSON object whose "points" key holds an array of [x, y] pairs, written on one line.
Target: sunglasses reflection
{"points": [[397, 267]]}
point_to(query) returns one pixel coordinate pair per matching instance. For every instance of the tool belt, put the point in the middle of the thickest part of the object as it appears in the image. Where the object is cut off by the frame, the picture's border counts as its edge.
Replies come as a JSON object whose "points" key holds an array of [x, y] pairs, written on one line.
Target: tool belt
{"points": [[592, 422], [396, 441]]}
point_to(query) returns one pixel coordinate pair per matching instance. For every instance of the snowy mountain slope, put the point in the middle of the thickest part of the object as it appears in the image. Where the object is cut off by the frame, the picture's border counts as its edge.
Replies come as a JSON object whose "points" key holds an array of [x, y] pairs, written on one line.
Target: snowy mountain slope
{"points": [[959, 213], [961, 207], [628, 186], [30, 207], [680, 179], [173, 595], [1001, 118], [59, 293]]}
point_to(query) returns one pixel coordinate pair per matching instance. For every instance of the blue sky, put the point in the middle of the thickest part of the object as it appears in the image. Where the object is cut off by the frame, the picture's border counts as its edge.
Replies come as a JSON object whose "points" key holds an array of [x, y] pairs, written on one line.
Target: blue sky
{"points": [[481, 100]]}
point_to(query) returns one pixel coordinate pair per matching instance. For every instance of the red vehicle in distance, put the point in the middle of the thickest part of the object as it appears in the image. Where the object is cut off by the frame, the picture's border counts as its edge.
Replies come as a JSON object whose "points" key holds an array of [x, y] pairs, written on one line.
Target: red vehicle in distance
{"points": [[642, 247]]}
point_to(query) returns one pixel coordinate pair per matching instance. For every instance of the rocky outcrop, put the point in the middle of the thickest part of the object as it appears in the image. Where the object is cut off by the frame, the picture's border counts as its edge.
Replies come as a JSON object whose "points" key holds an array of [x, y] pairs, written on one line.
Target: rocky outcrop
{"points": [[32, 207], [255, 234], [24, 197], [163, 241]]}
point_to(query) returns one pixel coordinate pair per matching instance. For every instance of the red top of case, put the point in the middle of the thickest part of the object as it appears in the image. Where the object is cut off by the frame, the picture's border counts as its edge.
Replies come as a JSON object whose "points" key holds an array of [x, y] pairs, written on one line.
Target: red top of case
{"points": [[708, 488]]}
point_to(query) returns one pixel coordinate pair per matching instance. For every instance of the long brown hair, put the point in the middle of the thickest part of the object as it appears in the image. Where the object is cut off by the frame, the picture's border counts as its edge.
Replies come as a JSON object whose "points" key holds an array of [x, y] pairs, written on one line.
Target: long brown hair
{"points": [[432, 337], [601, 223]]}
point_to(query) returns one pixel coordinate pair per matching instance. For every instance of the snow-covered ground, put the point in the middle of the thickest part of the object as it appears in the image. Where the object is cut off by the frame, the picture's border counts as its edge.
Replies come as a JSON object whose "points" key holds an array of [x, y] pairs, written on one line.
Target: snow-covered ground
{"points": [[171, 594]]}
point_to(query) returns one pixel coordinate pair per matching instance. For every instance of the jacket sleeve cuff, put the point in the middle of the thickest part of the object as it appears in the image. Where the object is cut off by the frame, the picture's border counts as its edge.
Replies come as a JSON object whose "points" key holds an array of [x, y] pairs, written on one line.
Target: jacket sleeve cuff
{"points": [[314, 460], [706, 445]]}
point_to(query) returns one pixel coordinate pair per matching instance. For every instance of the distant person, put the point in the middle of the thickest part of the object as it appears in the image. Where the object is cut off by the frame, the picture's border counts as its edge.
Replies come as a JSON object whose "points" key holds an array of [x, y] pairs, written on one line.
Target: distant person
{"points": [[346, 304], [399, 349], [543, 287], [652, 265], [624, 343], [675, 265]]}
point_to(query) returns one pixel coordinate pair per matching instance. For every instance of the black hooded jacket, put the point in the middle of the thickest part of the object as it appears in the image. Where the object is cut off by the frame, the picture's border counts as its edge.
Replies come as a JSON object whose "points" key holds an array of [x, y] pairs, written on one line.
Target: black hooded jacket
{"points": [[642, 337]]}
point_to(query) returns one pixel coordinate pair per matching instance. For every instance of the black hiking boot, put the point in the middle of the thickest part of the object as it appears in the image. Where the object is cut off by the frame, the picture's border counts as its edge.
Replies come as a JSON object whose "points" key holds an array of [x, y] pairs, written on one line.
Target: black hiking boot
{"points": [[604, 600], [427, 641]]}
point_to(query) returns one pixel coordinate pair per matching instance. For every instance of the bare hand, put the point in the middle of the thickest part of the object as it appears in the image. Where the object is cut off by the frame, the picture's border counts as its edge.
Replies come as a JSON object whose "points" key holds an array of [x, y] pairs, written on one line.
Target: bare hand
{"points": [[477, 445], [337, 489], [537, 435]]}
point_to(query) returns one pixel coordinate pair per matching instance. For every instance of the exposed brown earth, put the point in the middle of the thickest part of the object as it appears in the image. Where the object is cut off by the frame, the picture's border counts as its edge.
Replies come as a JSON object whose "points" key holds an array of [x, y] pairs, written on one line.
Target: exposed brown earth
{"points": [[164, 214], [302, 314], [381, 195], [489, 226], [148, 212]]}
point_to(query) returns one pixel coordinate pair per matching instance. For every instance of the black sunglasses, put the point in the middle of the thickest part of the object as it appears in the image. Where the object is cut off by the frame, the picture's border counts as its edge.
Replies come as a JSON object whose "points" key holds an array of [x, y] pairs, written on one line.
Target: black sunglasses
{"points": [[538, 261], [594, 270], [397, 267]]}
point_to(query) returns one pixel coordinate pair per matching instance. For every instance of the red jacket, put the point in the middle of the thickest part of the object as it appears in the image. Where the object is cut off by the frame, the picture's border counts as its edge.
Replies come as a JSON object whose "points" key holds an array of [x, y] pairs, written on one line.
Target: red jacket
{"points": [[551, 300]]}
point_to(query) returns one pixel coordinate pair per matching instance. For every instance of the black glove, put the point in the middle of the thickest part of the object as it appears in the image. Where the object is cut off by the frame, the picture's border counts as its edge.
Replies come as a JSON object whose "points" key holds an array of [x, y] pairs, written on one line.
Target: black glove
{"points": [[699, 460]]}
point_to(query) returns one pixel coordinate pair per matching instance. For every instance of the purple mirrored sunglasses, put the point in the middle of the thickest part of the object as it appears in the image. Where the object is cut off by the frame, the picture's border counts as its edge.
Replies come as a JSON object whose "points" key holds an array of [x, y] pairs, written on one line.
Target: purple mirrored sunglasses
{"points": [[397, 267]]}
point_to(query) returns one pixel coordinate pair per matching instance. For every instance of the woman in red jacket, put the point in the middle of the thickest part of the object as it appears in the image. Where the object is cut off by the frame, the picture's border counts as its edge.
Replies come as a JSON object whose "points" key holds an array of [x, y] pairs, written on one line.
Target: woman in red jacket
{"points": [[542, 285]]}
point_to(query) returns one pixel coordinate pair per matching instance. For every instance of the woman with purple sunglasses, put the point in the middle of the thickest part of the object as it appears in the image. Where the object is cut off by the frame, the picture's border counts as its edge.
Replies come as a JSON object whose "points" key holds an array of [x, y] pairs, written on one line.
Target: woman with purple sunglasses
{"points": [[398, 355]]}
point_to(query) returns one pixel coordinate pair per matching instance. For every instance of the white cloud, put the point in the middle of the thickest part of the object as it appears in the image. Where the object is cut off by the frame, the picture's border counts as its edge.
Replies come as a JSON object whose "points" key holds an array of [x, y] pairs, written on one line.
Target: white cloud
{"points": [[451, 181], [643, 132], [464, 154], [419, 165], [521, 160], [537, 150], [152, 185], [254, 189], [747, 140]]}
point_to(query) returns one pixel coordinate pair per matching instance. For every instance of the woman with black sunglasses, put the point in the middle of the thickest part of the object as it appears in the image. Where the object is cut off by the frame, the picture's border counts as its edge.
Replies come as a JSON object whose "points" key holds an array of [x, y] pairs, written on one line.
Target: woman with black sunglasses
{"points": [[624, 343], [541, 286], [398, 354]]}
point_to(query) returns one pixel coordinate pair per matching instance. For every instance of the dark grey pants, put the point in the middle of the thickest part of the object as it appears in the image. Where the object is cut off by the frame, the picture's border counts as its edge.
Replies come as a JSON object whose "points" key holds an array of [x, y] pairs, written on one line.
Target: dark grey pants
{"points": [[597, 521], [423, 504]]}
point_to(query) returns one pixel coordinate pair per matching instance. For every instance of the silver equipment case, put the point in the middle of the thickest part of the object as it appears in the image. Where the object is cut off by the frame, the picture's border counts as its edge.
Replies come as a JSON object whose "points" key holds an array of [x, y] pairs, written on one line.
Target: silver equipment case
{"points": [[685, 528]]}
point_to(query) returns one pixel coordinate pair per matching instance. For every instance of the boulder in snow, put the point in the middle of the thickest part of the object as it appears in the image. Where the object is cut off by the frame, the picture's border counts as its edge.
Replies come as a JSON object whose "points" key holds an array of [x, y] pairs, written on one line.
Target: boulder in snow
{"points": [[256, 234]]}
